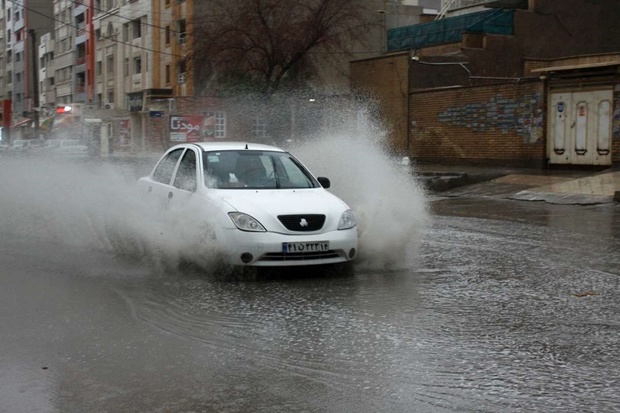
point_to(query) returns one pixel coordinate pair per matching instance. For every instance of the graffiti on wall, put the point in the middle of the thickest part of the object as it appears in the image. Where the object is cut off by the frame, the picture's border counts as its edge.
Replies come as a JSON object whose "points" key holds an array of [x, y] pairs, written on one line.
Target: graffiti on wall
{"points": [[616, 120], [524, 116]]}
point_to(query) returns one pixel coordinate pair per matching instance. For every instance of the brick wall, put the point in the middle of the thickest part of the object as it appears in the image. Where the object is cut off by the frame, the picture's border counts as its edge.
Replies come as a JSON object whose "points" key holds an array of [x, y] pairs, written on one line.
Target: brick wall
{"points": [[386, 80], [499, 124]]}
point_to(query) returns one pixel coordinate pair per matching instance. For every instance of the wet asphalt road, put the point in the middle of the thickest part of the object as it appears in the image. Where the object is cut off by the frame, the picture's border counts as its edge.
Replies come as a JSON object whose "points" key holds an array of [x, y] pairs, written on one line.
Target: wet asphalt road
{"points": [[511, 306]]}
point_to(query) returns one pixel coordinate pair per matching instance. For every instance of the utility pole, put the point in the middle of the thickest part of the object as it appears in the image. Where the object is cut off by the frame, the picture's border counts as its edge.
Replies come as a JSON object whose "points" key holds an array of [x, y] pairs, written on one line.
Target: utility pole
{"points": [[35, 82]]}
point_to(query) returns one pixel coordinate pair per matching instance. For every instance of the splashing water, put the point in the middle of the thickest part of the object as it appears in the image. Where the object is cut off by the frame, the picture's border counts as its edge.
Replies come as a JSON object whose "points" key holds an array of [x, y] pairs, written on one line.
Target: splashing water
{"points": [[95, 205], [389, 202]]}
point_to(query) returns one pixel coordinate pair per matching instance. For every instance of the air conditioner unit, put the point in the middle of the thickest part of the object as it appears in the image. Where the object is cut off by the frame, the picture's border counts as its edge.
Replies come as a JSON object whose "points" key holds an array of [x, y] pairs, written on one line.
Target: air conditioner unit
{"points": [[181, 78], [108, 106], [182, 37]]}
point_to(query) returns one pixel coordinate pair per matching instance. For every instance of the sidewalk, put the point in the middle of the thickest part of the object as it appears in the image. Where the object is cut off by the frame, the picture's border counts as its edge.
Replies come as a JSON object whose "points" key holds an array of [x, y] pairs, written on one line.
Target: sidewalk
{"points": [[526, 184]]}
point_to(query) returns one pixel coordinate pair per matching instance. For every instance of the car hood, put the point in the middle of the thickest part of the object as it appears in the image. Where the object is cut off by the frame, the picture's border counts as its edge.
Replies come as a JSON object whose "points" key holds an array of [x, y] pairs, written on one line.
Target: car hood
{"points": [[266, 205]]}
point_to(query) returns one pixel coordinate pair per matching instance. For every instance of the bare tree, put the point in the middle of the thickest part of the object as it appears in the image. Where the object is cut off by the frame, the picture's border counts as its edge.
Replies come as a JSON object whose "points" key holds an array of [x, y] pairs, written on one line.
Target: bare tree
{"points": [[267, 44]]}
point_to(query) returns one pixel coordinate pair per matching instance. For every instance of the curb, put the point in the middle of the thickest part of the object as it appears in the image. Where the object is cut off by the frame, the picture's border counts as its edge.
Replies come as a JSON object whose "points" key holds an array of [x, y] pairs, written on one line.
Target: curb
{"points": [[445, 181]]}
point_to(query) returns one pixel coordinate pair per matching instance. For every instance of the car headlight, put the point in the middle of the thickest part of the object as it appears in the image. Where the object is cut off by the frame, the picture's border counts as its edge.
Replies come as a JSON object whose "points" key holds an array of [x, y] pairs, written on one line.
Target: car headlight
{"points": [[347, 220], [245, 222]]}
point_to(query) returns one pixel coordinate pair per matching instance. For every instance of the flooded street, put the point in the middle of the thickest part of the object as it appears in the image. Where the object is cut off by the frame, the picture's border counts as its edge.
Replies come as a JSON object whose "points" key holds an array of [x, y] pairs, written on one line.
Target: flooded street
{"points": [[510, 306], [455, 304]]}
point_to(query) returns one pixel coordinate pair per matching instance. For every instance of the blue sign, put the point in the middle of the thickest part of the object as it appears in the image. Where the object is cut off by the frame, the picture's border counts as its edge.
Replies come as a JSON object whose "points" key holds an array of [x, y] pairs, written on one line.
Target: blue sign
{"points": [[156, 113]]}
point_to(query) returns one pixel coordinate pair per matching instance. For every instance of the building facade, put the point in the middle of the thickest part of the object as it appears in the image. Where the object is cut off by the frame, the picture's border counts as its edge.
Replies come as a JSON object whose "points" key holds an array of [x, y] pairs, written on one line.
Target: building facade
{"points": [[22, 25], [511, 83]]}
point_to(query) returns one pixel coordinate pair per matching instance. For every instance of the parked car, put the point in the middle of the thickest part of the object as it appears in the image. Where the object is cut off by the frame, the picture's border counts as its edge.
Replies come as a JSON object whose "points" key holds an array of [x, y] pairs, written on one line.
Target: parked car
{"points": [[36, 143], [18, 147], [265, 207], [71, 148], [52, 144]]}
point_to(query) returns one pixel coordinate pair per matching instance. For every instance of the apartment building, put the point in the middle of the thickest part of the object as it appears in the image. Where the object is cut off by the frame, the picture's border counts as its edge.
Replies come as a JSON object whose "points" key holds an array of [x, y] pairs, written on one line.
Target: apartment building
{"points": [[22, 24], [47, 87]]}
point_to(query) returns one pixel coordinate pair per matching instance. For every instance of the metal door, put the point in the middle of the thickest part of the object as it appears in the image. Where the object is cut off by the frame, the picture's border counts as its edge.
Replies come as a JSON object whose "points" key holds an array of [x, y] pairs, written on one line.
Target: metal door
{"points": [[579, 130]]}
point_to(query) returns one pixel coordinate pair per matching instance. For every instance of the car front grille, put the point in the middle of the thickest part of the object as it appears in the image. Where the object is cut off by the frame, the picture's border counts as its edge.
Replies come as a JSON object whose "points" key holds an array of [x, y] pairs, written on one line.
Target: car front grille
{"points": [[299, 256], [302, 223]]}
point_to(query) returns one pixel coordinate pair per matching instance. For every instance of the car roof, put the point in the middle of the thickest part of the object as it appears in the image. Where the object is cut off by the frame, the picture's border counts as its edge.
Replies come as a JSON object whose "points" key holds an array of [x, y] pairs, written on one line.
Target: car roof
{"points": [[221, 146]]}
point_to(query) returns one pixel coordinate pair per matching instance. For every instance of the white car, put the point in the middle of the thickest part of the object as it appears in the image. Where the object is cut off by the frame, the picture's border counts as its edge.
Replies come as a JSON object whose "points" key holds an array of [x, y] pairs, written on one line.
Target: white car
{"points": [[266, 208], [19, 145], [71, 148]]}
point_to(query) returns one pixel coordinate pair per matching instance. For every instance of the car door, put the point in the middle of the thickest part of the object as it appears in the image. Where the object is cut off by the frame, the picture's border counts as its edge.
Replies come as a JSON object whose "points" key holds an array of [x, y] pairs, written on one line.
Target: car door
{"points": [[160, 184], [185, 179]]}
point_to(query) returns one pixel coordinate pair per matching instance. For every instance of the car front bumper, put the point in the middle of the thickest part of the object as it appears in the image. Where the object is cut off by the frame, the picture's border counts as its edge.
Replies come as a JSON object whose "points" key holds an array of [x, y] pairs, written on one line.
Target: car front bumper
{"points": [[264, 249]]}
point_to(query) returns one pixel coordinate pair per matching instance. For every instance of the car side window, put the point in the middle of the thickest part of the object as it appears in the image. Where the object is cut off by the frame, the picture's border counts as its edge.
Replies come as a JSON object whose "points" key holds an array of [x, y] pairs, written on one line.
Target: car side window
{"points": [[163, 171], [186, 174], [292, 176]]}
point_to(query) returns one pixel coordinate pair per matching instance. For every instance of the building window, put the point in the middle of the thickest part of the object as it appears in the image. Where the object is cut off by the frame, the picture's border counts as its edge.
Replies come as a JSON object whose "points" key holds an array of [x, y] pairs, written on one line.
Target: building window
{"points": [[137, 65], [168, 35], [126, 67], [220, 124], [259, 127], [110, 64], [98, 71], [136, 28], [181, 30], [167, 79], [182, 71]]}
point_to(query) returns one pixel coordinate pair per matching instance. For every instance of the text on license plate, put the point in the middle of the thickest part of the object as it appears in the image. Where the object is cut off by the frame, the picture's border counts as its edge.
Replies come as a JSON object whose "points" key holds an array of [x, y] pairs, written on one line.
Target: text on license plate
{"points": [[318, 246]]}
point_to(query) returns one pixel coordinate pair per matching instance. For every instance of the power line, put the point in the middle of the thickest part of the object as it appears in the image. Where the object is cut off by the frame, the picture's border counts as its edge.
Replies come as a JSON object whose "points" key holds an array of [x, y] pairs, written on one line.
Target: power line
{"points": [[77, 2], [158, 51]]}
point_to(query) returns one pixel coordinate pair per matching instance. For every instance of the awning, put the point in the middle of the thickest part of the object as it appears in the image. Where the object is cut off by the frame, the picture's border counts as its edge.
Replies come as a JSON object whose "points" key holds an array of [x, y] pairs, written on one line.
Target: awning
{"points": [[22, 123], [576, 67]]}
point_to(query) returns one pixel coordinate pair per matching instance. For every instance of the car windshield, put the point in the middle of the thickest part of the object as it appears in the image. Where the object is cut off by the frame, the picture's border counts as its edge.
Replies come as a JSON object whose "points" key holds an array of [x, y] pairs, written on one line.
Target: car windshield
{"points": [[247, 169]]}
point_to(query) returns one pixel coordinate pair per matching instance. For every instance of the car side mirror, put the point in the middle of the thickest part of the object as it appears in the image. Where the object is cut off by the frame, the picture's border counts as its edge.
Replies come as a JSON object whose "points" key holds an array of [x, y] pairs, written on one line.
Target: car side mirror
{"points": [[324, 182]]}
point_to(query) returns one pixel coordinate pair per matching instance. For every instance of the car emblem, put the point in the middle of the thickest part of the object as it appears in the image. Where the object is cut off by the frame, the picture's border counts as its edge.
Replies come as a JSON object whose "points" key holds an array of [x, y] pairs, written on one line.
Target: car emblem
{"points": [[303, 222]]}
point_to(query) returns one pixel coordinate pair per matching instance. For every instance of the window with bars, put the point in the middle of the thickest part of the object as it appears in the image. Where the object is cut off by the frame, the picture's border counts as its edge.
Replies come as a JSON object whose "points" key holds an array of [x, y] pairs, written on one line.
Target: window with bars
{"points": [[259, 127], [220, 124]]}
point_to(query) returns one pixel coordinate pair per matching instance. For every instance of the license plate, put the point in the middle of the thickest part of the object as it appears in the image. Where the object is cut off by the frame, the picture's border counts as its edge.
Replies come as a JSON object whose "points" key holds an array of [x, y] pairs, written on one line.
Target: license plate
{"points": [[318, 246]]}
